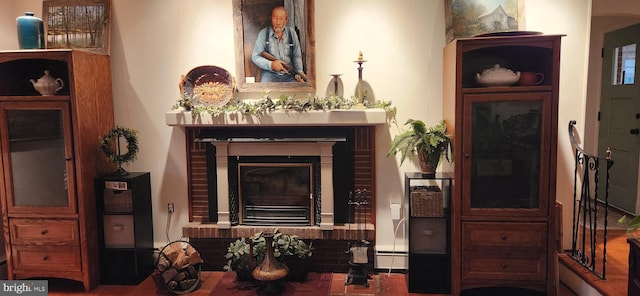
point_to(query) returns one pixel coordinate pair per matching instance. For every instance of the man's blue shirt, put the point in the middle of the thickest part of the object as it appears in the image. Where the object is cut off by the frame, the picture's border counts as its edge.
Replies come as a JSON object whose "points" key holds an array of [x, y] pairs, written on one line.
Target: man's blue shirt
{"points": [[287, 49]]}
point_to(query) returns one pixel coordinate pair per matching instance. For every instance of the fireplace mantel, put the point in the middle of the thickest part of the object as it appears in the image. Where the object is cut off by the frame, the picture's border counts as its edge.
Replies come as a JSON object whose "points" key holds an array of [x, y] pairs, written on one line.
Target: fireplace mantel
{"points": [[339, 117]]}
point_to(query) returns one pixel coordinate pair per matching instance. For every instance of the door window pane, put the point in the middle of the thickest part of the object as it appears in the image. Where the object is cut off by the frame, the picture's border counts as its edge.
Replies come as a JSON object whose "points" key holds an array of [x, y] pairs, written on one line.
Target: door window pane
{"points": [[36, 144], [624, 64]]}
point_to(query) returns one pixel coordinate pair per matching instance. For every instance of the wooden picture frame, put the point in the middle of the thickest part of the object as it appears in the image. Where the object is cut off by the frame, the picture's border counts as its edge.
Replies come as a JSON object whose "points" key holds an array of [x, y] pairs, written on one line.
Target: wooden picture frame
{"points": [[250, 17], [78, 24], [468, 18]]}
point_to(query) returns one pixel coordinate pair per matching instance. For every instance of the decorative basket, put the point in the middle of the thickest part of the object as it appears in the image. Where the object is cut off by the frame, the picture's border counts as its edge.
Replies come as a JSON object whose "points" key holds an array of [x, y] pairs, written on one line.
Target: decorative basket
{"points": [[209, 85], [426, 201]]}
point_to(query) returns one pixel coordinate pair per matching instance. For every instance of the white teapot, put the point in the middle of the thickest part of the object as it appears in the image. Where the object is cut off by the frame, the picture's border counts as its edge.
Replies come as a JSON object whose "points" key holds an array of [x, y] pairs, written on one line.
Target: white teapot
{"points": [[47, 85], [497, 76]]}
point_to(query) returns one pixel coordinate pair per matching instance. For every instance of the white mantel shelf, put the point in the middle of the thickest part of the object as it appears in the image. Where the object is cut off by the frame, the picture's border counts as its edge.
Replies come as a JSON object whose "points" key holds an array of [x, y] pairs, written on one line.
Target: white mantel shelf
{"points": [[347, 117]]}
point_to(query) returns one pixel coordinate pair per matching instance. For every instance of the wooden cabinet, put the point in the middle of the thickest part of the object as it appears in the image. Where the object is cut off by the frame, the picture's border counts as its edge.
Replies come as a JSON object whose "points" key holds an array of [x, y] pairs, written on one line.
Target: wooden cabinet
{"points": [[429, 232], [505, 163], [125, 223], [50, 157]]}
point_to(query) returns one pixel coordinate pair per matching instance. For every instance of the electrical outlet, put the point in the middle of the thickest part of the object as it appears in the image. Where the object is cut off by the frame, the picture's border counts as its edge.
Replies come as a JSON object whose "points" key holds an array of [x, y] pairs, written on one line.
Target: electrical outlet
{"points": [[395, 211], [170, 207]]}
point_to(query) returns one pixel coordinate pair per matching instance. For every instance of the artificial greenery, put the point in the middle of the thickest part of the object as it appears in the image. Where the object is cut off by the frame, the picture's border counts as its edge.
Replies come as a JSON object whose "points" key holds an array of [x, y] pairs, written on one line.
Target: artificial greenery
{"points": [[284, 102], [115, 155], [430, 143]]}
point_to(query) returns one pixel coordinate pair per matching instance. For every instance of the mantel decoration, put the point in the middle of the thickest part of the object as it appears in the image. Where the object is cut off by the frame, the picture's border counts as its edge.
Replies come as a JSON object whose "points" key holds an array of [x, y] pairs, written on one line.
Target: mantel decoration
{"points": [[430, 143], [282, 103], [208, 86], [115, 155]]}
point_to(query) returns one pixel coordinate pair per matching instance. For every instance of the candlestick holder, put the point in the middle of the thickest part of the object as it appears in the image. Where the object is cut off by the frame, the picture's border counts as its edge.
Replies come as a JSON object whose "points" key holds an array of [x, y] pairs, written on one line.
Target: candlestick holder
{"points": [[360, 92], [360, 62], [335, 83]]}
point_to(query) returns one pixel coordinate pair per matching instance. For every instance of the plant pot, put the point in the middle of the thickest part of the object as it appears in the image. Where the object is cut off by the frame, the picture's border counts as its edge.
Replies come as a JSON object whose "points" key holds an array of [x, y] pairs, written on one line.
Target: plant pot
{"points": [[297, 268], [428, 162], [244, 275]]}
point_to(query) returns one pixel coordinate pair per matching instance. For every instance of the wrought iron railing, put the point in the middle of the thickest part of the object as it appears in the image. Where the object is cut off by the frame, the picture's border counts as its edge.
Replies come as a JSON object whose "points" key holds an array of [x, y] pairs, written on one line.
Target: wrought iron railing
{"points": [[590, 198]]}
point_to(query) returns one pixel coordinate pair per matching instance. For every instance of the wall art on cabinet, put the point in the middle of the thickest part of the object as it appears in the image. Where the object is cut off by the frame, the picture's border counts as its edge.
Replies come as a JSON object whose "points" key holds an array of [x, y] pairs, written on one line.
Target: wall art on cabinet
{"points": [[467, 18], [78, 24]]}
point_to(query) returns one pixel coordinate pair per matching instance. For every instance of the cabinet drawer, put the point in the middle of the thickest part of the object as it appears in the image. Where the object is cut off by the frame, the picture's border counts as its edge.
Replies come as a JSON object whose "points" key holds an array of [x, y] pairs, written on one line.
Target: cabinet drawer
{"points": [[57, 258], [44, 232], [119, 231], [515, 236], [522, 266]]}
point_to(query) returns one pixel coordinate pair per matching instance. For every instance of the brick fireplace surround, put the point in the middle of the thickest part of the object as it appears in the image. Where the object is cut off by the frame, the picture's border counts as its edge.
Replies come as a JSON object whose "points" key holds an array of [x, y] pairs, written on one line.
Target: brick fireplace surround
{"points": [[331, 238]]}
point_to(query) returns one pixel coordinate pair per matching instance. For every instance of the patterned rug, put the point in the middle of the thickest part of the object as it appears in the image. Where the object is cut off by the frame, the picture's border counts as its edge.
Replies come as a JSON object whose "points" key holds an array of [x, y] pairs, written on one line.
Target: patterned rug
{"points": [[317, 284]]}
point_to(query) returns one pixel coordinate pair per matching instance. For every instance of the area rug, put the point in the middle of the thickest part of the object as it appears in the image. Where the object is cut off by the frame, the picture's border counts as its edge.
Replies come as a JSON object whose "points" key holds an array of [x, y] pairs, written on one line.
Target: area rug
{"points": [[317, 284]]}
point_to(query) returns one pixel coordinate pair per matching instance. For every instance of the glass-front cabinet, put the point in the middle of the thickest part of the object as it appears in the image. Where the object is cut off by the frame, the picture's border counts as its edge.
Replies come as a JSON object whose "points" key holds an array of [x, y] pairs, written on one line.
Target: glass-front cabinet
{"points": [[504, 155], [40, 151], [54, 106], [501, 104]]}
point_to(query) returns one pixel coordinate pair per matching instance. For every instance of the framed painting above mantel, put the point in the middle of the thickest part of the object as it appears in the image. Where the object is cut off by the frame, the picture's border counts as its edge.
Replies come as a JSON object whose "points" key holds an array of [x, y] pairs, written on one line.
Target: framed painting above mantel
{"points": [[256, 46]]}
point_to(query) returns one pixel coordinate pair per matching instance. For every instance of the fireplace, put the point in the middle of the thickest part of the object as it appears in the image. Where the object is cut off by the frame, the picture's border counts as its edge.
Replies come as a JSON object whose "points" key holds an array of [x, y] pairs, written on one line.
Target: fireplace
{"points": [[352, 163], [328, 154], [275, 190]]}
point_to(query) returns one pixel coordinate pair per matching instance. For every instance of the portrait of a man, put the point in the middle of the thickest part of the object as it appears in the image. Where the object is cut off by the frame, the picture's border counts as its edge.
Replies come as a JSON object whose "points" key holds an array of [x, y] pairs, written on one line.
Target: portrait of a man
{"points": [[276, 50]]}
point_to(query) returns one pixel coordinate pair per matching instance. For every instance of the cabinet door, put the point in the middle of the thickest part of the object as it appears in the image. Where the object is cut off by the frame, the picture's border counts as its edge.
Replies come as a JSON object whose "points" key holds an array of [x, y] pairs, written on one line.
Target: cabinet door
{"points": [[506, 140], [37, 157]]}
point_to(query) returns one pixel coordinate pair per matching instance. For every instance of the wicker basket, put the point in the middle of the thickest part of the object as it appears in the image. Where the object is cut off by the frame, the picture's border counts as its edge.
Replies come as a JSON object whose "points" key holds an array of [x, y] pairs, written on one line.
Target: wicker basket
{"points": [[426, 201]]}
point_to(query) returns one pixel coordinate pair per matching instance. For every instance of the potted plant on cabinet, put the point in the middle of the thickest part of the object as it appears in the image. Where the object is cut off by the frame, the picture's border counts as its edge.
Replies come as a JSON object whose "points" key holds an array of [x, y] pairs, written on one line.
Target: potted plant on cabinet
{"points": [[431, 144]]}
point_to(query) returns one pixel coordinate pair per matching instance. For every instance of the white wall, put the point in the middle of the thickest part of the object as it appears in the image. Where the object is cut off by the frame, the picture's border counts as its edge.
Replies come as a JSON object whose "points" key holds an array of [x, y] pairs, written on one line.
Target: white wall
{"points": [[572, 18], [155, 41]]}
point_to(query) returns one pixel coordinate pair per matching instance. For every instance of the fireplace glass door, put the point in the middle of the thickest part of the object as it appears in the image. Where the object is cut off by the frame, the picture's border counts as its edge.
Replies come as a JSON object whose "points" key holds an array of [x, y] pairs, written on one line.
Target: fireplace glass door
{"points": [[276, 193]]}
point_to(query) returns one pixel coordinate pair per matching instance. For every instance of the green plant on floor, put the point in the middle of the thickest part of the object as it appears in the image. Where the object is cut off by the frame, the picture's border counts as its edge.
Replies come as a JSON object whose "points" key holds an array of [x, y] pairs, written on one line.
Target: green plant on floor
{"points": [[288, 249], [237, 256], [632, 225]]}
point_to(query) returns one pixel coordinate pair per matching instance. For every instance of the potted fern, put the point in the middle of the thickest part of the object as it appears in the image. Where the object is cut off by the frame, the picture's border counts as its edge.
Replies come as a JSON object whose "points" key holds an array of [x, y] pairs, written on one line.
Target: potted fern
{"points": [[431, 144]]}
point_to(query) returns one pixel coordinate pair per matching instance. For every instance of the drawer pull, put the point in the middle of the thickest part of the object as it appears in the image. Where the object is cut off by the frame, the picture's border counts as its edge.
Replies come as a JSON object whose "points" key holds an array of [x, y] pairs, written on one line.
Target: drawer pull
{"points": [[503, 265], [45, 258], [503, 237], [44, 231]]}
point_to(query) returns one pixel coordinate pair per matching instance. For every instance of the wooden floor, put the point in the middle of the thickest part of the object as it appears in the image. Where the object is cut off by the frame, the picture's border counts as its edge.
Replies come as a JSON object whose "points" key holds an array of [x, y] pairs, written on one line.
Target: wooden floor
{"points": [[382, 284], [617, 267]]}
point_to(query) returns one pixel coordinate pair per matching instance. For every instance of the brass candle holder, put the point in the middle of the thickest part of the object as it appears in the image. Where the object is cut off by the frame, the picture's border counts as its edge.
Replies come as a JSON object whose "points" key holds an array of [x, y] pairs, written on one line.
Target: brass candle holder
{"points": [[360, 92]]}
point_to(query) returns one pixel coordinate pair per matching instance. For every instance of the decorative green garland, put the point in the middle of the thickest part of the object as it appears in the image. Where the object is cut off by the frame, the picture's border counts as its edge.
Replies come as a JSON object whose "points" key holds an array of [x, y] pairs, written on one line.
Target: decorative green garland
{"points": [[115, 156], [284, 102]]}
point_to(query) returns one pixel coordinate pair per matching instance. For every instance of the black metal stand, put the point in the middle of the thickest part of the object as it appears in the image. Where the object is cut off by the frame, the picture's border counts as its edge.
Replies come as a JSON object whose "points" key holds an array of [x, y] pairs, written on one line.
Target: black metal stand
{"points": [[358, 273]]}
